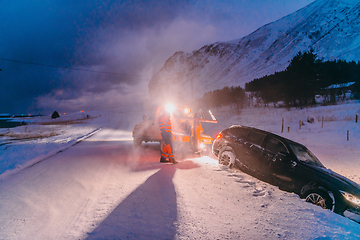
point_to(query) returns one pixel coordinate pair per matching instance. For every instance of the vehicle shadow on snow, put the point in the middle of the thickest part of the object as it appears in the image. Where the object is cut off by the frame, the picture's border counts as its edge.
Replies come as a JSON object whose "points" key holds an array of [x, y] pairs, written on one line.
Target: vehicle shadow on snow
{"points": [[150, 212], [147, 213]]}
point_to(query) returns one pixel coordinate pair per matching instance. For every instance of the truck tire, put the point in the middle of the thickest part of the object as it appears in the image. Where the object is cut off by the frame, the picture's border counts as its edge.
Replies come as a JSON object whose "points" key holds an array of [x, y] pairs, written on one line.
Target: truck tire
{"points": [[137, 141]]}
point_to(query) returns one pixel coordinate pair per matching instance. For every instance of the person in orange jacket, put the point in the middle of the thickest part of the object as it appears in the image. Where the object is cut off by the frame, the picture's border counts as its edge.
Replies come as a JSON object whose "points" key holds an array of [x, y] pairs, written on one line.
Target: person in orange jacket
{"points": [[166, 138]]}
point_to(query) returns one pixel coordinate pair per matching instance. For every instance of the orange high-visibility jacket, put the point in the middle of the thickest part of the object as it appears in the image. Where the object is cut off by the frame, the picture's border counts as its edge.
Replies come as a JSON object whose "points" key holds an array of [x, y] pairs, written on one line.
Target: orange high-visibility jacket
{"points": [[164, 123]]}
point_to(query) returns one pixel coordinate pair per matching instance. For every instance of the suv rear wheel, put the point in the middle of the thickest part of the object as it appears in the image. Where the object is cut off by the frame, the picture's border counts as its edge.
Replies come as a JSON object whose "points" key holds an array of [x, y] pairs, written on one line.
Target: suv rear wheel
{"points": [[227, 156]]}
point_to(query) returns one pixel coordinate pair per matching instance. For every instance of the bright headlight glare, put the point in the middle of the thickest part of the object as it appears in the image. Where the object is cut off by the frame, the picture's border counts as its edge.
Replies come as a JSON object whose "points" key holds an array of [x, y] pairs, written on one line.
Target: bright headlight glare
{"points": [[169, 107], [351, 198], [202, 145]]}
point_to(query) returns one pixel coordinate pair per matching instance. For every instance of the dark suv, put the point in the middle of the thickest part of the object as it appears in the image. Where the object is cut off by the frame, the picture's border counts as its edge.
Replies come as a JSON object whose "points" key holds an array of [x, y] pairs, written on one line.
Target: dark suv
{"points": [[289, 165]]}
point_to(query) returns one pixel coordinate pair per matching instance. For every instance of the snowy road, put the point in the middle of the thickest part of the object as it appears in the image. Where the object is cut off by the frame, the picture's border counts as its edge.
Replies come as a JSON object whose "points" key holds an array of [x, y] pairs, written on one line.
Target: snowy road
{"points": [[104, 188]]}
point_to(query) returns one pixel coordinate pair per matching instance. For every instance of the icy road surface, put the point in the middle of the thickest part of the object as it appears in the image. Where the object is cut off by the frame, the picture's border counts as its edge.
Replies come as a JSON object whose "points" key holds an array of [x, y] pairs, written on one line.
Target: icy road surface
{"points": [[104, 188]]}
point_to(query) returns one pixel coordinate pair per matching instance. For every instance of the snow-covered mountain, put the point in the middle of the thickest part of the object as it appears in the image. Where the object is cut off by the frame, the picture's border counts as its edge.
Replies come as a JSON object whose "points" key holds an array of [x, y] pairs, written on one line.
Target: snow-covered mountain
{"points": [[330, 27]]}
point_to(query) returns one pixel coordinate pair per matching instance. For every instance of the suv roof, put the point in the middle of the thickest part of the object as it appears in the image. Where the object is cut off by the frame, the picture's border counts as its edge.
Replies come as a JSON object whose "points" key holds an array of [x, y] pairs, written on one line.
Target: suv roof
{"points": [[266, 132]]}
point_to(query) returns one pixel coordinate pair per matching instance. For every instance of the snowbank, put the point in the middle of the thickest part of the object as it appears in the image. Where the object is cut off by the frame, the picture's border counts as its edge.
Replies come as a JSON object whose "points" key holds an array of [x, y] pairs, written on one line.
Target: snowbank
{"points": [[27, 145], [43, 137]]}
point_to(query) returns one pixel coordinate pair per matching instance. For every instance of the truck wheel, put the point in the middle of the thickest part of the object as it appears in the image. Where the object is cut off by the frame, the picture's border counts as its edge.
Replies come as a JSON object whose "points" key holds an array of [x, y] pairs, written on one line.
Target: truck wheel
{"points": [[137, 141], [207, 150]]}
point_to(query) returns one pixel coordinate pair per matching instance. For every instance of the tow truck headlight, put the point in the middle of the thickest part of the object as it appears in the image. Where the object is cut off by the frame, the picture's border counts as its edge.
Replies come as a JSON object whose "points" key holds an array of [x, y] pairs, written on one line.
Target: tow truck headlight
{"points": [[202, 145], [351, 198], [170, 108]]}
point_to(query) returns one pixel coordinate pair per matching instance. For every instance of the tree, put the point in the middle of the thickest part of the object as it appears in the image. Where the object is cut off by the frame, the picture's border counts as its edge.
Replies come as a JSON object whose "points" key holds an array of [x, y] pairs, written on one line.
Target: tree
{"points": [[302, 82], [303, 78], [226, 96]]}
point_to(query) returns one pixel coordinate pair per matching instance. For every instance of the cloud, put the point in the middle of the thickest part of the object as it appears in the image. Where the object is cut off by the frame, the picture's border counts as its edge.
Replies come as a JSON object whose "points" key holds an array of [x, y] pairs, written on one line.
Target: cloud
{"points": [[87, 100], [144, 52]]}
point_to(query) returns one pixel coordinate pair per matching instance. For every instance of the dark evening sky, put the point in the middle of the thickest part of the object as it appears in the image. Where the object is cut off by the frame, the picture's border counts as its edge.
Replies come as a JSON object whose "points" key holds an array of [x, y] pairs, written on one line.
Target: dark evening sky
{"points": [[121, 44]]}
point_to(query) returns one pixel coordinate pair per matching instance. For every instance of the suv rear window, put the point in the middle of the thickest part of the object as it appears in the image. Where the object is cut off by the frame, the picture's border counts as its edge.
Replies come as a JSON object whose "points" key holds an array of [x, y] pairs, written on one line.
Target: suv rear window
{"points": [[256, 137]]}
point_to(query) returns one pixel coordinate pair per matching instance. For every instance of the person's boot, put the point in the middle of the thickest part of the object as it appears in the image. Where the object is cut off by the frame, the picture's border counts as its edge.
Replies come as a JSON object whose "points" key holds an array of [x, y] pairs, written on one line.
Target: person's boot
{"points": [[162, 159], [172, 160]]}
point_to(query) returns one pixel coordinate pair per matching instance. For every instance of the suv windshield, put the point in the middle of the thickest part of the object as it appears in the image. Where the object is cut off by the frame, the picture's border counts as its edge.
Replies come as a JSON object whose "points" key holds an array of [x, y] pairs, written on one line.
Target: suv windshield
{"points": [[303, 154]]}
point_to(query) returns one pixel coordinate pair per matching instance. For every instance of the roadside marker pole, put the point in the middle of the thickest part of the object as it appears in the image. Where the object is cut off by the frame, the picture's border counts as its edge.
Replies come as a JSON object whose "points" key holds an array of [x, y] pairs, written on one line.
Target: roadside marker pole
{"points": [[347, 133], [282, 125]]}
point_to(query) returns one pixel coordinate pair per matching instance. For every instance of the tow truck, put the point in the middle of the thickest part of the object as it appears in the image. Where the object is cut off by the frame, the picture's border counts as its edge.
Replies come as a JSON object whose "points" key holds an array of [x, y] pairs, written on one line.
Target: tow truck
{"points": [[187, 129]]}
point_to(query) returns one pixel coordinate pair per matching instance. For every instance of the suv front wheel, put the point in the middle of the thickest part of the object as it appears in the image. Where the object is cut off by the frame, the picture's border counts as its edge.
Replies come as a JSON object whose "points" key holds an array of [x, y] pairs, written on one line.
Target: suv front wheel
{"points": [[320, 198]]}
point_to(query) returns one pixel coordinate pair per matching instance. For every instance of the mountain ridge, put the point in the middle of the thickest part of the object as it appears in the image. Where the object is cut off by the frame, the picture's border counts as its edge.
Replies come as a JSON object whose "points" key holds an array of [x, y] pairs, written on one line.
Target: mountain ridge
{"points": [[331, 28]]}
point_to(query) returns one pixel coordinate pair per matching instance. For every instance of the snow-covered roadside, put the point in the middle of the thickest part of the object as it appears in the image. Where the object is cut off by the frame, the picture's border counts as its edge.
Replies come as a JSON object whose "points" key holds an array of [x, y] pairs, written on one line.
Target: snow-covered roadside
{"points": [[326, 139], [264, 211], [30, 148], [44, 137], [215, 202]]}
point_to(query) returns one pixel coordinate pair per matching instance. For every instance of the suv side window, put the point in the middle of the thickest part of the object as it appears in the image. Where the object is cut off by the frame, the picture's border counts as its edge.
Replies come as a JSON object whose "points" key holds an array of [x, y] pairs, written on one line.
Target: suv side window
{"points": [[274, 145], [256, 137], [241, 132]]}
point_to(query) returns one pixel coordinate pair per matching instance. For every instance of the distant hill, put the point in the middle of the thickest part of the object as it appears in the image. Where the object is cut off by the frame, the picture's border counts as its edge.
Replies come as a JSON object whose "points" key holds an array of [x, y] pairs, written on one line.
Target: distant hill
{"points": [[330, 27]]}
